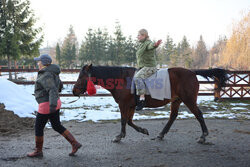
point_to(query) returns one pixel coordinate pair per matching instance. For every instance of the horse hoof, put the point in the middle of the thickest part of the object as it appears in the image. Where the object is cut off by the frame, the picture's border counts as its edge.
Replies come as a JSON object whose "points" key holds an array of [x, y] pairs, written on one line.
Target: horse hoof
{"points": [[201, 141], [160, 137], [116, 140], [145, 131]]}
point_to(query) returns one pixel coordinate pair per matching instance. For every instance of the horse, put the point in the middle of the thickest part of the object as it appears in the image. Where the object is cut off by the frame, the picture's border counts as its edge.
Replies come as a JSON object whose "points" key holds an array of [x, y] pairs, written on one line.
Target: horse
{"points": [[117, 80]]}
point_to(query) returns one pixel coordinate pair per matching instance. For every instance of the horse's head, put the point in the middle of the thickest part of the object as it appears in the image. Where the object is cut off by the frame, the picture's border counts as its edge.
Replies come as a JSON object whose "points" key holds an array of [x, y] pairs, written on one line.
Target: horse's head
{"points": [[80, 86]]}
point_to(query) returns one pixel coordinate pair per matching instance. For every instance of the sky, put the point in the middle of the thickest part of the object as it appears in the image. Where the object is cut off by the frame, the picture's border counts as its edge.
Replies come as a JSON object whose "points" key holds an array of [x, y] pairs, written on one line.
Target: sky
{"points": [[192, 18]]}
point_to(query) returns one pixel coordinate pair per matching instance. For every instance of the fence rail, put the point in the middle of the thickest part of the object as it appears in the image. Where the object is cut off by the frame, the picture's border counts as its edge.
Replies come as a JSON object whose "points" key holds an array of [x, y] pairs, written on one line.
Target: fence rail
{"points": [[238, 86], [36, 70]]}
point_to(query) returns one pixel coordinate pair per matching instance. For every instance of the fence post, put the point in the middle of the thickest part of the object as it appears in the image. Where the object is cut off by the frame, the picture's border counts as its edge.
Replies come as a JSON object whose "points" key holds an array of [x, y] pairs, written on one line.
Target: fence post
{"points": [[216, 89], [15, 64]]}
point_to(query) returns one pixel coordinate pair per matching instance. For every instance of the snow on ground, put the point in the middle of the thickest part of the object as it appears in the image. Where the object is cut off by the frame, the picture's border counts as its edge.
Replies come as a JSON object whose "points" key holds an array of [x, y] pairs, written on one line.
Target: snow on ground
{"points": [[31, 76], [105, 108], [19, 99], [16, 99]]}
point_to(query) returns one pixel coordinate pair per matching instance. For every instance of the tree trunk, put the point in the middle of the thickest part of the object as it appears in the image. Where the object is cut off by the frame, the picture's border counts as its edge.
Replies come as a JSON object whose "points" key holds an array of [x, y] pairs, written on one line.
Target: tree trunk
{"points": [[9, 67], [15, 66]]}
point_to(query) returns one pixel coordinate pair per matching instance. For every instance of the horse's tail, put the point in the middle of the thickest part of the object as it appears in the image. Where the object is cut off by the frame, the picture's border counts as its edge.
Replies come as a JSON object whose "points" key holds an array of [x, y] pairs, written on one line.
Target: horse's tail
{"points": [[218, 73]]}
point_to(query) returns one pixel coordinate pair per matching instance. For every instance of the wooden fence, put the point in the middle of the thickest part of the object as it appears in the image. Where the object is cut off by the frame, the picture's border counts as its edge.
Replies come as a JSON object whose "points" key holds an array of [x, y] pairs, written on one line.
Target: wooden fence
{"points": [[238, 86]]}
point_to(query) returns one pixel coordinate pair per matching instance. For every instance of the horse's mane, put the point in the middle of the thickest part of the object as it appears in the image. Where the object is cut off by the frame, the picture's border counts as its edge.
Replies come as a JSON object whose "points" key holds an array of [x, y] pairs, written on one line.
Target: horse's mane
{"points": [[112, 71]]}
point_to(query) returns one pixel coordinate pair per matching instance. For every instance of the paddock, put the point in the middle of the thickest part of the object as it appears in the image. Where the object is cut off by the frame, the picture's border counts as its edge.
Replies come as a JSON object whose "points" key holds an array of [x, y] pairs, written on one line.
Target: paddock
{"points": [[227, 145]]}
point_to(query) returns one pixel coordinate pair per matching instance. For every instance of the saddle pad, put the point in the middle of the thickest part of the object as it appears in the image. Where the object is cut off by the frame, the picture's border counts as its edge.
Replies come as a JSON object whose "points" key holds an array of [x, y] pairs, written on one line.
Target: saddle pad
{"points": [[158, 85]]}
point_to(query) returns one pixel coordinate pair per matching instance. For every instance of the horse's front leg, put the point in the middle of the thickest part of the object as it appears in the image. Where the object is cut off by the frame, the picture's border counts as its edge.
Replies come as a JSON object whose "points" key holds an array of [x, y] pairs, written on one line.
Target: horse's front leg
{"points": [[123, 131], [130, 122], [138, 128], [124, 109], [124, 120]]}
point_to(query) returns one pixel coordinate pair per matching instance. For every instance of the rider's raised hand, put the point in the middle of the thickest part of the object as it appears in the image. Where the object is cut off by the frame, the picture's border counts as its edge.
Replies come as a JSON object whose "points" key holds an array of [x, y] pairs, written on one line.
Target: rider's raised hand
{"points": [[157, 43]]}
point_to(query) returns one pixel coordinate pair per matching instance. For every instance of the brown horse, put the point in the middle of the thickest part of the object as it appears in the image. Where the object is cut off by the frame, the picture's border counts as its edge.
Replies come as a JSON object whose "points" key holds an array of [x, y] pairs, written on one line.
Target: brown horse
{"points": [[117, 80]]}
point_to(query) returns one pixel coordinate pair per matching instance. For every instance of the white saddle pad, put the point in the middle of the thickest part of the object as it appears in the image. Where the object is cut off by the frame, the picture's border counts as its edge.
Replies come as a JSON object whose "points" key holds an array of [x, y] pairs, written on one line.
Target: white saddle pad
{"points": [[158, 85]]}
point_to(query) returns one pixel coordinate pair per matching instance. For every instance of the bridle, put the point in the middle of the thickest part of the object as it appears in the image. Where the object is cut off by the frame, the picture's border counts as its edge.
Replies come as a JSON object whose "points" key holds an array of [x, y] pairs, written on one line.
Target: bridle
{"points": [[77, 87], [85, 83], [81, 90]]}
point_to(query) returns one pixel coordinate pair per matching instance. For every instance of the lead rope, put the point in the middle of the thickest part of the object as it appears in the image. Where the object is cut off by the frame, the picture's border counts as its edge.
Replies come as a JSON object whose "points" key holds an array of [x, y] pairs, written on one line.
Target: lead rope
{"points": [[72, 101], [79, 95]]}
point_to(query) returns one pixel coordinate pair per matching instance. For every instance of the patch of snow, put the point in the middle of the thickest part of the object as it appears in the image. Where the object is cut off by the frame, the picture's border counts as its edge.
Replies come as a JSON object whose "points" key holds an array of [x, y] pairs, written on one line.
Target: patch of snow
{"points": [[16, 99], [238, 108]]}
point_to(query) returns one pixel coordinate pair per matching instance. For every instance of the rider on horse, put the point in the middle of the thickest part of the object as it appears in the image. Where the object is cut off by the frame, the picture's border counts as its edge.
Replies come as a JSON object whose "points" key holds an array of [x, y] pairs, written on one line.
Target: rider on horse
{"points": [[146, 62]]}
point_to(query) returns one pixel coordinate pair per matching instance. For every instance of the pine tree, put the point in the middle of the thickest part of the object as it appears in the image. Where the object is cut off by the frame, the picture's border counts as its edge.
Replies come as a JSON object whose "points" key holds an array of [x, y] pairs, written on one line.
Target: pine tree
{"points": [[111, 51], [100, 46], [119, 41], [73, 56], [130, 51], [69, 49], [185, 53], [169, 50], [86, 53], [17, 33], [82, 56], [58, 54], [67, 55], [176, 58], [201, 54], [105, 39]]}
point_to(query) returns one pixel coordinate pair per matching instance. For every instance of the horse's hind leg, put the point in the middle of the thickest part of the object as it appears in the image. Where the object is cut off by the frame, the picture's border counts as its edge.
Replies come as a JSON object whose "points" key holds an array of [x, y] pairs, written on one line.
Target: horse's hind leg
{"points": [[130, 123], [174, 112], [198, 114]]}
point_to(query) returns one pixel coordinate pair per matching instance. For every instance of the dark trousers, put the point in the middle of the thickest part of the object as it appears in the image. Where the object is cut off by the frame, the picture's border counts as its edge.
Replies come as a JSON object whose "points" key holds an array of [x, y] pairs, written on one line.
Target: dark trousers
{"points": [[42, 119]]}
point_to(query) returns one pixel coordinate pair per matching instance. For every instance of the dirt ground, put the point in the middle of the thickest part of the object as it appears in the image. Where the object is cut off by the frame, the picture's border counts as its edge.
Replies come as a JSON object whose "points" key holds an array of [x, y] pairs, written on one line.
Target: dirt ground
{"points": [[10, 123], [228, 144]]}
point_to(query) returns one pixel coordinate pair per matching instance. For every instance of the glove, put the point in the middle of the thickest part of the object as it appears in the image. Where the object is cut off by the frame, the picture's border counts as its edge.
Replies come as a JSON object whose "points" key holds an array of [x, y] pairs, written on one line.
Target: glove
{"points": [[52, 109], [157, 43], [60, 86]]}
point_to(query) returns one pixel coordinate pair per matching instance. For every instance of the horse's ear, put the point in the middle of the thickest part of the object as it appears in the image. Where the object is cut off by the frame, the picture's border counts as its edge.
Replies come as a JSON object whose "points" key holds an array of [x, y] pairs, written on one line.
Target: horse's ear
{"points": [[89, 67]]}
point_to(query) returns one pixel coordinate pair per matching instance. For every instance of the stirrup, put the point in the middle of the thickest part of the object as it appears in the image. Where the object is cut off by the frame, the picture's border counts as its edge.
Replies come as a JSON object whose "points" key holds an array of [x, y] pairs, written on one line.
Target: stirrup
{"points": [[140, 105]]}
